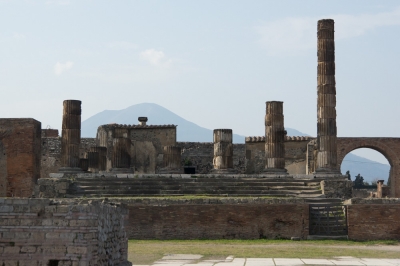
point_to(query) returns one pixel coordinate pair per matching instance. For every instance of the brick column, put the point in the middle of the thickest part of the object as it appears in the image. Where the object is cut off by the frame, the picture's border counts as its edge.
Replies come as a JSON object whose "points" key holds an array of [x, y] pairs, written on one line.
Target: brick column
{"points": [[326, 107], [171, 160], [71, 136], [120, 161], [379, 185], [274, 139], [223, 151]]}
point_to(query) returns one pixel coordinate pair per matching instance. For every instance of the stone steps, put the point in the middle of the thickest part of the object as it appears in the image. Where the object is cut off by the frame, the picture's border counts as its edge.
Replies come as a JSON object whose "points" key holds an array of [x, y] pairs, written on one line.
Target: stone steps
{"points": [[116, 186]]}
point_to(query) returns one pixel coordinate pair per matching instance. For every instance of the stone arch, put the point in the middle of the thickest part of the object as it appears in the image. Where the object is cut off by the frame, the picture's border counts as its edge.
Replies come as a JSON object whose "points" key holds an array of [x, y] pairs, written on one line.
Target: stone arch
{"points": [[388, 147]]}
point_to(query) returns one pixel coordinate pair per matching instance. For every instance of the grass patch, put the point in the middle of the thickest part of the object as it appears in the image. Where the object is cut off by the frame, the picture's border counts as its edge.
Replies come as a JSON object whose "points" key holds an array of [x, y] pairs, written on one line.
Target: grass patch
{"points": [[148, 251]]}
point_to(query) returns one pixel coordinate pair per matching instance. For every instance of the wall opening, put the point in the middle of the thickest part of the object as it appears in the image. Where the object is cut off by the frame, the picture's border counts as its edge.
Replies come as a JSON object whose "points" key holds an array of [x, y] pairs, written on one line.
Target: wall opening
{"points": [[369, 163]]}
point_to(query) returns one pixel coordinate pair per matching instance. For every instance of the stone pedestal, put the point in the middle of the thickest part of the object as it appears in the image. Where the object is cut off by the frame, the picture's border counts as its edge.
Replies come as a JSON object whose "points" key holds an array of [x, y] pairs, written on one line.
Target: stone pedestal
{"points": [[223, 151], [326, 161], [120, 161], [171, 160], [71, 136], [274, 139]]}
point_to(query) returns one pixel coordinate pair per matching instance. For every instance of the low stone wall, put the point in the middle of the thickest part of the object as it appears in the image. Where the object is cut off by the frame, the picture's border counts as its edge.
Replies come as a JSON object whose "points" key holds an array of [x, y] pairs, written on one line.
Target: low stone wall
{"points": [[374, 219], [62, 232], [337, 188], [234, 218]]}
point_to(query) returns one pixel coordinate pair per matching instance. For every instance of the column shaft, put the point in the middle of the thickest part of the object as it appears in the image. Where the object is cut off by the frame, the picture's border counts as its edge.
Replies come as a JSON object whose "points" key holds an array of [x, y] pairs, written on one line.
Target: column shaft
{"points": [[326, 160], [274, 138], [223, 150]]}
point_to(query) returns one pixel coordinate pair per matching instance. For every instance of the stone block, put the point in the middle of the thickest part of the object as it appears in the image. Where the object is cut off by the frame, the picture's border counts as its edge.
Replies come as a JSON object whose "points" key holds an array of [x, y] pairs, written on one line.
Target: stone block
{"points": [[12, 250], [28, 249], [76, 250], [22, 235]]}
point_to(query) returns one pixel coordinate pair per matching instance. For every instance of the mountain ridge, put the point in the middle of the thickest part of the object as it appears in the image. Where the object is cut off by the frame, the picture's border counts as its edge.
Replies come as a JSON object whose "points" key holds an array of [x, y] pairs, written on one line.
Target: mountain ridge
{"points": [[190, 132]]}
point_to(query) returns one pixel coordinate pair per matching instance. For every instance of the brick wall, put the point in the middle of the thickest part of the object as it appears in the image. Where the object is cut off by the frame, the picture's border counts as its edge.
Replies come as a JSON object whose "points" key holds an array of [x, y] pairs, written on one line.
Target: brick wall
{"points": [[216, 219], [20, 153], [374, 219], [67, 232]]}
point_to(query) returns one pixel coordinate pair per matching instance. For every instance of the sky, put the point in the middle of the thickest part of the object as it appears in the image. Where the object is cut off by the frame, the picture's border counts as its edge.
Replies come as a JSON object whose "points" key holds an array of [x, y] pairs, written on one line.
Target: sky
{"points": [[214, 63]]}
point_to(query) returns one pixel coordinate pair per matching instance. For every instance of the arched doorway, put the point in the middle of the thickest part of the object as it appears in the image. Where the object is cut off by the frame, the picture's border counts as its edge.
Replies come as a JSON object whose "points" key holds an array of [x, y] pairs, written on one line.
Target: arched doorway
{"points": [[375, 167], [388, 147]]}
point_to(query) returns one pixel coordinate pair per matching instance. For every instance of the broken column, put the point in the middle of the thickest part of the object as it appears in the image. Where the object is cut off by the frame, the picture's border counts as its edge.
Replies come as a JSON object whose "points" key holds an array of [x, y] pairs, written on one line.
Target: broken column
{"points": [[274, 139], [71, 136], [171, 160], [223, 151], [120, 161], [326, 127]]}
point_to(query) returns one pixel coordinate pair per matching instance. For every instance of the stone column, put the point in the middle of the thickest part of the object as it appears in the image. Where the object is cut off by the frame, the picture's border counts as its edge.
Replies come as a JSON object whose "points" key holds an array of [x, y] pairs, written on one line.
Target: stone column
{"points": [[379, 185], [120, 161], [274, 139], [102, 157], [171, 160], [223, 151], [71, 136], [326, 127]]}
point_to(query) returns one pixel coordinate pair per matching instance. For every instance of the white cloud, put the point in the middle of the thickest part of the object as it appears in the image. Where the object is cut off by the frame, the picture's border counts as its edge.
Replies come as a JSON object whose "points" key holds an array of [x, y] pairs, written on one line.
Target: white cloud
{"points": [[122, 45], [292, 35], [155, 58], [62, 67]]}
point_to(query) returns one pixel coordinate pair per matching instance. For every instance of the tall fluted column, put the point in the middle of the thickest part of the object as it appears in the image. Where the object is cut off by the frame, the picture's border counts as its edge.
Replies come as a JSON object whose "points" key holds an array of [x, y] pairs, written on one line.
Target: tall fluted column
{"points": [[120, 161], [71, 136], [223, 151], [326, 127], [274, 139], [171, 160]]}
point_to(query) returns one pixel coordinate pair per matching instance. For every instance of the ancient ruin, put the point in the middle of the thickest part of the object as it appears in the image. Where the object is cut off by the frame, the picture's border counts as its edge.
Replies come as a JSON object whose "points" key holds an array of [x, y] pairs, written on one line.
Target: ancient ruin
{"points": [[76, 191], [274, 139], [326, 160], [71, 136]]}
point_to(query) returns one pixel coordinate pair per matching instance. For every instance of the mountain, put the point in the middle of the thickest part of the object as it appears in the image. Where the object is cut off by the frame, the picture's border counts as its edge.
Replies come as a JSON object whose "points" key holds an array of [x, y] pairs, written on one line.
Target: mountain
{"points": [[188, 131], [370, 170], [157, 115]]}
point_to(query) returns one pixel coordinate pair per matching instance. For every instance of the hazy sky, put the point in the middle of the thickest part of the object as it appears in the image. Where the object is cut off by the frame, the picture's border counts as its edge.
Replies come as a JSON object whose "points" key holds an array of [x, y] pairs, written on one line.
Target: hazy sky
{"points": [[214, 63]]}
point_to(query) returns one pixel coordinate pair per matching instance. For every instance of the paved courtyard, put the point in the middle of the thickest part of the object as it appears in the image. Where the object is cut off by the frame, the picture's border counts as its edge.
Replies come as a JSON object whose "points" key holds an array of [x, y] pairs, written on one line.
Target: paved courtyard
{"points": [[196, 260]]}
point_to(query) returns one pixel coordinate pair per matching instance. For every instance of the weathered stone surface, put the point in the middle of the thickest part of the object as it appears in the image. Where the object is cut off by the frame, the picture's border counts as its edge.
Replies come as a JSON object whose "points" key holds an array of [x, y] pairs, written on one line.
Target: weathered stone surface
{"points": [[86, 232], [71, 136], [20, 154], [326, 159], [223, 150], [274, 138]]}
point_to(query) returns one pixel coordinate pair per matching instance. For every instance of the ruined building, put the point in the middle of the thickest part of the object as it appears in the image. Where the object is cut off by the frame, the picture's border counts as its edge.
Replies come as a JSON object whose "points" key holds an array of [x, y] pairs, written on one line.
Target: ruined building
{"points": [[133, 165]]}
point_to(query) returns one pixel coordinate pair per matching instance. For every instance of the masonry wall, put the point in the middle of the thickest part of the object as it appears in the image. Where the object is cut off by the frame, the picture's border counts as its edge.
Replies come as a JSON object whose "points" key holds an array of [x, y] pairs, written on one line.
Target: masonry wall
{"points": [[216, 219], [20, 153], [295, 155], [51, 153], [201, 155], [374, 219], [67, 232]]}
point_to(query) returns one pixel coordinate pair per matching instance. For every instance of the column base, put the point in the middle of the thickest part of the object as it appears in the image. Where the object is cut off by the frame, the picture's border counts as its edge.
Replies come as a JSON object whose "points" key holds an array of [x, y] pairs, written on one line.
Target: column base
{"points": [[121, 170], [70, 170]]}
